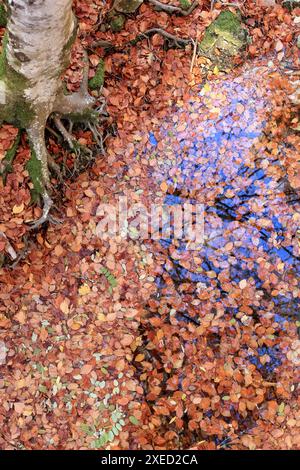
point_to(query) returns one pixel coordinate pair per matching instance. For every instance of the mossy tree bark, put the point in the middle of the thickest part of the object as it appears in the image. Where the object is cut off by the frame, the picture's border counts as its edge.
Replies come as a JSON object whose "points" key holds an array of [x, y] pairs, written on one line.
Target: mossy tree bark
{"points": [[35, 53]]}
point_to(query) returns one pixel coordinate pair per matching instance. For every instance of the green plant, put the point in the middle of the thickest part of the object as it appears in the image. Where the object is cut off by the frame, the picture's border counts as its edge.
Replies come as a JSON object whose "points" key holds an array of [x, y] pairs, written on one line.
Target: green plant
{"points": [[110, 278]]}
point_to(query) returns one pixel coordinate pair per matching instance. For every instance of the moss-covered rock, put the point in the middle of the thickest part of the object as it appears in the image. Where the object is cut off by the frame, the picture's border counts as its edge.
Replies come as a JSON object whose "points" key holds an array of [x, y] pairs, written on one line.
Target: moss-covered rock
{"points": [[97, 81], [3, 16], [127, 6], [185, 4], [117, 23], [224, 38]]}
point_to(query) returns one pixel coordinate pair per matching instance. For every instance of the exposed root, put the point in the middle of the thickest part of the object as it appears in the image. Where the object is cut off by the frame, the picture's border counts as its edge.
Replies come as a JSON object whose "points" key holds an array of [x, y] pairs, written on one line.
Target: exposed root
{"points": [[101, 110], [8, 247], [76, 107], [52, 131], [178, 42], [71, 125], [80, 102], [66, 135], [21, 254], [55, 167], [36, 134], [97, 136], [175, 40], [45, 217], [172, 9], [77, 148]]}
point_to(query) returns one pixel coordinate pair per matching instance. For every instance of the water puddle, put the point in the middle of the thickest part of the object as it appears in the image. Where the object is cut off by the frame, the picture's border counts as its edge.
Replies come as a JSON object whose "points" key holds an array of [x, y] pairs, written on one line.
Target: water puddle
{"points": [[229, 302], [216, 151]]}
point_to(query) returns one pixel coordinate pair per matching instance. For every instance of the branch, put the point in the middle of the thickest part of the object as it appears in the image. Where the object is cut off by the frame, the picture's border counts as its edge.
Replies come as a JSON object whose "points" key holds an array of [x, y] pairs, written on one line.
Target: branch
{"points": [[110, 47], [150, 32]]}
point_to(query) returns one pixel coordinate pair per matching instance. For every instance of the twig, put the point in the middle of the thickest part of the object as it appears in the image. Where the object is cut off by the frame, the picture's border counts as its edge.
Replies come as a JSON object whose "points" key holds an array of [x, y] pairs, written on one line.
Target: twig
{"points": [[179, 42], [8, 248], [22, 254], [195, 42], [173, 9], [97, 136]]}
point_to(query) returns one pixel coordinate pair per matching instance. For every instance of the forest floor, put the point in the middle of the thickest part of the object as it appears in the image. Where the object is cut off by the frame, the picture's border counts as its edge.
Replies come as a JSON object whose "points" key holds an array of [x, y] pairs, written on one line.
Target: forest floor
{"points": [[123, 343]]}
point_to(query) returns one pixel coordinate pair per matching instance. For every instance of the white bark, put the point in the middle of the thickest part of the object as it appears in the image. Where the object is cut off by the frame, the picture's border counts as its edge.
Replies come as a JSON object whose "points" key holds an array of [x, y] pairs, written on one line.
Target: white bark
{"points": [[38, 32]]}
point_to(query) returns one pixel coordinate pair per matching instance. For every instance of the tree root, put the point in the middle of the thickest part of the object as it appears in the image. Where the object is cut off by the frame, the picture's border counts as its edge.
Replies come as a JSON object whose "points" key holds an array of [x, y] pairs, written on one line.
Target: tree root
{"points": [[66, 135], [177, 41], [55, 167], [172, 9], [97, 136], [21, 254], [46, 216], [76, 107], [9, 248]]}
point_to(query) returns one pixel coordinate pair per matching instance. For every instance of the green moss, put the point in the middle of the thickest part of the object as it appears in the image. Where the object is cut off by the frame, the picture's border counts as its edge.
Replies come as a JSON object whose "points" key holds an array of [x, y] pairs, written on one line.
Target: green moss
{"points": [[185, 4], [117, 23], [24, 114], [226, 21], [226, 34], [68, 46], [97, 81], [34, 168], [127, 6], [3, 16], [9, 158], [17, 111]]}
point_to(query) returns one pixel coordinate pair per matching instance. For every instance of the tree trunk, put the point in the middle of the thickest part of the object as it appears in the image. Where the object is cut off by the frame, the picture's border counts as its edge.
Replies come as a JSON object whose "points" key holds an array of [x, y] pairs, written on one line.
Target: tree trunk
{"points": [[35, 53]]}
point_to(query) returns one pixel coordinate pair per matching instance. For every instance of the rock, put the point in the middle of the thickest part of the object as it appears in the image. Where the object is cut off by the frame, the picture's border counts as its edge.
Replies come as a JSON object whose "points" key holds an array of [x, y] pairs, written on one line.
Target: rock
{"points": [[224, 38], [127, 6], [117, 23]]}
